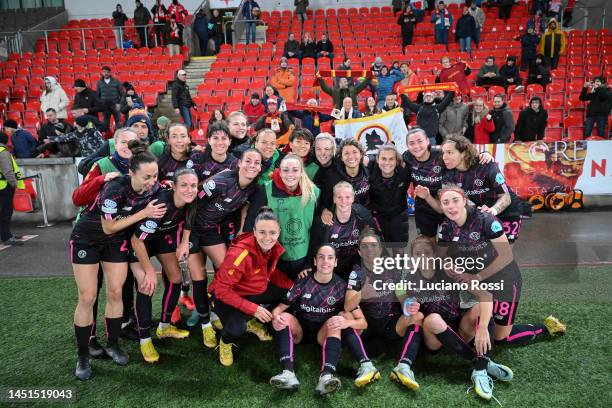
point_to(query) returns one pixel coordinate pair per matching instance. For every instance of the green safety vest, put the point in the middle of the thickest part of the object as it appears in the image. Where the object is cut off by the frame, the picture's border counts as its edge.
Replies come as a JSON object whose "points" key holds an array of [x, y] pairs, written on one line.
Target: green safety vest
{"points": [[311, 170], [106, 166], [111, 146], [16, 171], [264, 177], [295, 222]]}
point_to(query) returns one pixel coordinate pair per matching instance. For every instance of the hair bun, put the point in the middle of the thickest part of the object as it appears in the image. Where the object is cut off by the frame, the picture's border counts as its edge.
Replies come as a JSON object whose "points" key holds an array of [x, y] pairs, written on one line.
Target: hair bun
{"points": [[137, 147], [265, 209]]}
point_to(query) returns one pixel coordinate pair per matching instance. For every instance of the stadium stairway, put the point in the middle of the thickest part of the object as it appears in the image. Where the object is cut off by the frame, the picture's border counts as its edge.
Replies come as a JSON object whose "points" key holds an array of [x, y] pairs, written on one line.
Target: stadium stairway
{"points": [[196, 68]]}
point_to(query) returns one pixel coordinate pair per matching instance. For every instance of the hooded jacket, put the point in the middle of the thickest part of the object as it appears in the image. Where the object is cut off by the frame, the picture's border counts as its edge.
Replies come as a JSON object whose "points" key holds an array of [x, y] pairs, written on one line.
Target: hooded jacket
{"points": [[428, 114], [504, 124], [553, 41], [538, 69], [506, 71], [600, 101], [453, 119], [529, 45], [285, 81], [530, 125], [56, 98], [246, 271]]}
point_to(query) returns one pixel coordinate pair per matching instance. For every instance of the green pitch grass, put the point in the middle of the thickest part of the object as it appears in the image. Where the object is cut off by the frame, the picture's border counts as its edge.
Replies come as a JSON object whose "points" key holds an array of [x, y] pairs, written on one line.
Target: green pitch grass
{"points": [[574, 370]]}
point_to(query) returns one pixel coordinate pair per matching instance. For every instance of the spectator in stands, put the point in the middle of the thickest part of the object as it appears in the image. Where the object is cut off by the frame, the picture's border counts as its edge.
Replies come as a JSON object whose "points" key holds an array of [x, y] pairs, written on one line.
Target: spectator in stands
{"points": [[552, 44], [371, 107], [529, 45], [85, 100], [119, 20], [285, 81], [407, 21], [217, 116], [457, 73], [539, 71], [488, 74], [24, 144], [377, 66], [53, 127], [179, 12], [397, 6], [83, 141], [10, 180], [410, 79], [428, 113], [109, 91], [349, 110], [200, 27], [247, 15], [503, 119], [345, 66], [480, 123], [567, 12], [385, 82], [308, 48], [538, 23], [479, 16], [465, 31], [53, 96], [343, 90], [129, 100], [554, 9], [443, 21], [292, 48], [300, 9], [510, 75], [216, 32], [418, 8], [390, 103], [599, 107], [181, 98], [163, 124], [160, 19], [273, 119], [453, 120], [505, 9], [325, 49], [311, 120], [270, 91], [538, 5], [174, 37], [142, 18], [531, 122], [254, 109]]}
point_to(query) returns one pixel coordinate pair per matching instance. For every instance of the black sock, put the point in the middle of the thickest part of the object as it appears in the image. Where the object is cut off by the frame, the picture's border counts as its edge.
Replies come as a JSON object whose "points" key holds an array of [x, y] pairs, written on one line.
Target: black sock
{"points": [[200, 297], [185, 289], [82, 338], [522, 334], [411, 343], [454, 342], [331, 355], [284, 348], [481, 361], [354, 344], [143, 315], [169, 301], [113, 328], [127, 296]]}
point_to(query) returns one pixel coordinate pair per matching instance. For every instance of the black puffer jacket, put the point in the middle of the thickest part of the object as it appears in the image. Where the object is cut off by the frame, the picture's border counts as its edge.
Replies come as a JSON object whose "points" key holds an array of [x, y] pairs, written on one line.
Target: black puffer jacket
{"points": [[530, 125], [181, 95], [428, 114], [600, 101]]}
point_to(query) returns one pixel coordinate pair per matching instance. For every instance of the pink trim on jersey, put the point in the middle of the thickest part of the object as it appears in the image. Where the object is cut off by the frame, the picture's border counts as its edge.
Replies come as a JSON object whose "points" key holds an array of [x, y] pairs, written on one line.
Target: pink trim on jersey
{"points": [[108, 217], [290, 345], [513, 303], [143, 236], [179, 231], [72, 252], [361, 343], [416, 330]]}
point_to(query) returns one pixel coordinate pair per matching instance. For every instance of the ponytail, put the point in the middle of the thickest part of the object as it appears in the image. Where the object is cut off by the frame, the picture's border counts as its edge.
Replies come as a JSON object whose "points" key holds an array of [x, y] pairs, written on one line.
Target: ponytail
{"points": [[140, 155]]}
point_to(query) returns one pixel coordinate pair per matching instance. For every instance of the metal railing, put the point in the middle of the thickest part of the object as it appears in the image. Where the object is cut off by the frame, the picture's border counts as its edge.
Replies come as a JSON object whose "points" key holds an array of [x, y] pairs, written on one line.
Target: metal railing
{"points": [[585, 17], [237, 33]]}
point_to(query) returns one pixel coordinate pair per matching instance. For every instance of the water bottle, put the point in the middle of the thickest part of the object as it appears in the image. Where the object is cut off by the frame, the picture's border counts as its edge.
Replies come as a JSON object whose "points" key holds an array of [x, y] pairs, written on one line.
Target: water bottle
{"points": [[407, 302], [184, 267]]}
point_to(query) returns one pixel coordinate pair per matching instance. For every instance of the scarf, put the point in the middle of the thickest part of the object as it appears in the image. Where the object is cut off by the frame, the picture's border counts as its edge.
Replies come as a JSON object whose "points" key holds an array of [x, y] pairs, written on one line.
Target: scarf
{"points": [[120, 163], [278, 182]]}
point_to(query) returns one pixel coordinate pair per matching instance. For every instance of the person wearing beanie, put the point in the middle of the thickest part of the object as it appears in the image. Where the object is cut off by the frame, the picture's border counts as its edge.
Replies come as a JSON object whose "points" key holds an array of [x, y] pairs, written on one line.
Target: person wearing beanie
{"points": [[129, 100], [86, 101], [10, 179], [162, 128], [531, 122], [83, 141], [55, 97], [24, 144], [254, 109], [109, 91], [275, 120], [53, 127], [285, 81]]}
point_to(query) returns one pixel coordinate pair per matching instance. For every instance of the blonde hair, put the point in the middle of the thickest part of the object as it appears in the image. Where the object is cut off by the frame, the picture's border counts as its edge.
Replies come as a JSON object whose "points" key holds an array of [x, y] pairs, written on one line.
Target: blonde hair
{"points": [[306, 186], [477, 117], [329, 138], [343, 184]]}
